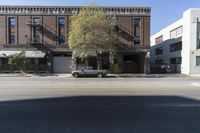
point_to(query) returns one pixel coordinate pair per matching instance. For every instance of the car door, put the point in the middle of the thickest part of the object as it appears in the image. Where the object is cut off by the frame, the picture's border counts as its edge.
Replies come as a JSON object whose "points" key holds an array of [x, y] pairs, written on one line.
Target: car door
{"points": [[93, 72], [84, 72], [90, 72]]}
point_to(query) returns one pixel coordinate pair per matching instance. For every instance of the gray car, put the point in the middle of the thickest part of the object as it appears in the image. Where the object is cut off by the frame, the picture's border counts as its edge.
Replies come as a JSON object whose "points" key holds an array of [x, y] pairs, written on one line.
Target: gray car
{"points": [[89, 73]]}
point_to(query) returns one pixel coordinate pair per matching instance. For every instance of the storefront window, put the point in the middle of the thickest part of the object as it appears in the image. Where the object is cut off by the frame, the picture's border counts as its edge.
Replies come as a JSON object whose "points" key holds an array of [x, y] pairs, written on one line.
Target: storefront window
{"points": [[198, 61]]}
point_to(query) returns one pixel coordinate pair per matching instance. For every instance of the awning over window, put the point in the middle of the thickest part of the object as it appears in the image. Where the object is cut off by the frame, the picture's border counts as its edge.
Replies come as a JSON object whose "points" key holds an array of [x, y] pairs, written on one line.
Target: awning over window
{"points": [[29, 54], [92, 53], [2, 55], [35, 54], [8, 53]]}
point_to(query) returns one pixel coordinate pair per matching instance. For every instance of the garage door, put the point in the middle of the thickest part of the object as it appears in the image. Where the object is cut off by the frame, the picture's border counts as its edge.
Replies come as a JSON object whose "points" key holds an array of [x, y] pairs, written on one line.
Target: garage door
{"points": [[62, 64]]}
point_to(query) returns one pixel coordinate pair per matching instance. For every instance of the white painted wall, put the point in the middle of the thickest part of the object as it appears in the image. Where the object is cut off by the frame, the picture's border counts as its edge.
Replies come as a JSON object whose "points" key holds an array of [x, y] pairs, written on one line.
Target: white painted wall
{"points": [[166, 32], [189, 41], [194, 14], [185, 66]]}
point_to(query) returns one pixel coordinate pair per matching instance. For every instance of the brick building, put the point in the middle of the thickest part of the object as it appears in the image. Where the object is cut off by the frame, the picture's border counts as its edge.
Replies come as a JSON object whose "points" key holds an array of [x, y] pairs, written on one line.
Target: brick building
{"points": [[42, 31]]}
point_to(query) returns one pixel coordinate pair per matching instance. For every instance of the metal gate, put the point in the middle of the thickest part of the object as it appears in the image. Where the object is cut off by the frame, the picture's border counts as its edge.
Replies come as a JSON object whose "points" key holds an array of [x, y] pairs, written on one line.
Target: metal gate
{"points": [[62, 64]]}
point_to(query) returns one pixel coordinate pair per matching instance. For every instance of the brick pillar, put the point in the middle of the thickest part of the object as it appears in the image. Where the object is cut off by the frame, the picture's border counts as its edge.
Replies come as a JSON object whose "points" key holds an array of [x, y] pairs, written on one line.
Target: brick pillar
{"points": [[147, 63]]}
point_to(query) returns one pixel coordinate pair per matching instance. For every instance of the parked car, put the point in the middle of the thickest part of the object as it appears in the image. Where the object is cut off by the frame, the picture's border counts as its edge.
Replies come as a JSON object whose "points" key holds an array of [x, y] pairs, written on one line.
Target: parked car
{"points": [[89, 73]]}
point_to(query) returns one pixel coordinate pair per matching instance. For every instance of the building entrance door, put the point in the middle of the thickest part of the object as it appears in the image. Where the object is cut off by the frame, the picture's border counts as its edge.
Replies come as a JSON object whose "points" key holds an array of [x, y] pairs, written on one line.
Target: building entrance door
{"points": [[131, 64]]}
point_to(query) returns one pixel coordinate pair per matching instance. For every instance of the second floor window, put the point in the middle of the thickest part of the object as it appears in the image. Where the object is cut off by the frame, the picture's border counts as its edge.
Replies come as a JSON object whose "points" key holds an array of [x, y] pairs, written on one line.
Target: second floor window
{"points": [[176, 32], [61, 21], [36, 21], [176, 46], [159, 39], [11, 30], [136, 39], [11, 39], [61, 39], [159, 51], [136, 22], [12, 22], [61, 30]]}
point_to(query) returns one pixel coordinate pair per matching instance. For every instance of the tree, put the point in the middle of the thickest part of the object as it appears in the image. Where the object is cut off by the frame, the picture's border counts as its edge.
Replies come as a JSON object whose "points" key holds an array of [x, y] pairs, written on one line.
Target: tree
{"points": [[92, 32], [19, 60]]}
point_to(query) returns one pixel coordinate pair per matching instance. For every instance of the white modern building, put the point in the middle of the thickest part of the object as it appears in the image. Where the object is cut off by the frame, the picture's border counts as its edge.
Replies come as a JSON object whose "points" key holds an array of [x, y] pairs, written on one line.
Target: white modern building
{"points": [[176, 48]]}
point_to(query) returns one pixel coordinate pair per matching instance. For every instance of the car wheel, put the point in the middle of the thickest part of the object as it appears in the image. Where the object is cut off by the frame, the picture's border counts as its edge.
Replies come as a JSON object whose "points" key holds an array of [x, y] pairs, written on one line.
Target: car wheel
{"points": [[76, 75], [99, 75]]}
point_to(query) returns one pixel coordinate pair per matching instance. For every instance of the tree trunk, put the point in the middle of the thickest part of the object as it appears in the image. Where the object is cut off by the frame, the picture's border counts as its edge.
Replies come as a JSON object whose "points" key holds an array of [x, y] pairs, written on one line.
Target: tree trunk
{"points": [[21, 71], [99, 61]]}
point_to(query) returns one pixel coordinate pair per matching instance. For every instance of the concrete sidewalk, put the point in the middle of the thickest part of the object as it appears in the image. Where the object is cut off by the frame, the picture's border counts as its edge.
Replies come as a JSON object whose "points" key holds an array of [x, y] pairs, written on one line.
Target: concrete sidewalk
{"points": [[35, 75], [109, 75], [148, 75], [195, 75]]}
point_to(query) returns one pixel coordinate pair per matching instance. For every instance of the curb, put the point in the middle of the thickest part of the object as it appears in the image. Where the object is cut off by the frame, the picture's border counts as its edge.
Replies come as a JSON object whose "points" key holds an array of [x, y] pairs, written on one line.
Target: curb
{"points": [[109, 75]]}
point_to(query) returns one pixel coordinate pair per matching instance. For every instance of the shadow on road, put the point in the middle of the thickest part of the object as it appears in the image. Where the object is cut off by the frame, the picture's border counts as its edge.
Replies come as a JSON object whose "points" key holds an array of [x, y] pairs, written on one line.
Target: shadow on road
{"points": [[101, 114]]}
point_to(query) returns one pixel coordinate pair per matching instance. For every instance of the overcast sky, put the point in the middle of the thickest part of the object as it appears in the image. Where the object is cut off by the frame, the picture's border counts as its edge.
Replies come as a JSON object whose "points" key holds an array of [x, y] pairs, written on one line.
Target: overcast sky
{"points": [[164, 12]]}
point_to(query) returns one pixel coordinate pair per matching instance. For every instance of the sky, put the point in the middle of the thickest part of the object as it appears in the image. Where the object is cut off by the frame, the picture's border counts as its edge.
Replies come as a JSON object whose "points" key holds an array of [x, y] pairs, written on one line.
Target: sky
{"points": [[163, 12]]}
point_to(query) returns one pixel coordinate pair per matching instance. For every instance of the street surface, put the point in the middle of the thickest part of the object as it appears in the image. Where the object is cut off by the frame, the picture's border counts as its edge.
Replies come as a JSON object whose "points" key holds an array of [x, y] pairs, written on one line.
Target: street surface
{"points": [[91, 105]]}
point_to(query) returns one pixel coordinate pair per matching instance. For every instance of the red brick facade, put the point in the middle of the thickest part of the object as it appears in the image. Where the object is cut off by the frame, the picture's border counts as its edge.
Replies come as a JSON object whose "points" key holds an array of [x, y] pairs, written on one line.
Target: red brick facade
{"points": [[134, 38]]}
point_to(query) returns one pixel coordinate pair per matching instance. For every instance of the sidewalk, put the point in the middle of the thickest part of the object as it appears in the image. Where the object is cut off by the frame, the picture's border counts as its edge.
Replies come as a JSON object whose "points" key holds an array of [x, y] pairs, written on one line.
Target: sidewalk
{"points": [[35, 75], [195, 75], [148, 75], [109, 75]]}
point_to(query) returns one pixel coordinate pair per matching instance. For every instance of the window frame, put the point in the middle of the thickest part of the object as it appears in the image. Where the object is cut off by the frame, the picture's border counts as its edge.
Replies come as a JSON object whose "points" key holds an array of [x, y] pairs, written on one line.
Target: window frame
{"points": [[138, 20], [11, 39], [159, 51], [12, 21], [176, 32], [159, 39], [60, 23], [137, 39], [36, 20], [176, 46], [198, 62], [61, 40]]}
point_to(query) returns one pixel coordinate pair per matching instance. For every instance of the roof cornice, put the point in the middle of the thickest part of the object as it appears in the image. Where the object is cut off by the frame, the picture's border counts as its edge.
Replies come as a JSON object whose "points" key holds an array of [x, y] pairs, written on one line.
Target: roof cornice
{"points": [[70, 10]]}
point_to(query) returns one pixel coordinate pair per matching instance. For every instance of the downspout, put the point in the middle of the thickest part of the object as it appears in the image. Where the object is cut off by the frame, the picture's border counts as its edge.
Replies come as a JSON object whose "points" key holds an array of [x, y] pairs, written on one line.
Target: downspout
{"points": [[197, 37]]}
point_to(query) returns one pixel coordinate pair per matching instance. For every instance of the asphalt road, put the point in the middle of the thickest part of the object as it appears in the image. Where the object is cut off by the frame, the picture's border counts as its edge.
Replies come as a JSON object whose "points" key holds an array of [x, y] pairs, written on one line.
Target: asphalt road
{"points": [[118, 105]]}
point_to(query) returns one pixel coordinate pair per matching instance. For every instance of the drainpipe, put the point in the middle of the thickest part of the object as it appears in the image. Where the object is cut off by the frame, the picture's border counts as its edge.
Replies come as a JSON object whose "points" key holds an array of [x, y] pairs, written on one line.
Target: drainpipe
{"points": [[197, 37], [147, 63]]}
